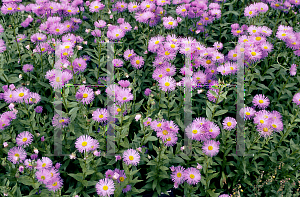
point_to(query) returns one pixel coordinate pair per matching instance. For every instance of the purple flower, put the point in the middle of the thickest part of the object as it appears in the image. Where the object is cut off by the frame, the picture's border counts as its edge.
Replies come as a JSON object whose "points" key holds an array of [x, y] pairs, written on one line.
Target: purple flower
{"points": [[296, 99], [27, 68], [42, 138], [17, 155], [38, 109], [131, 156]]}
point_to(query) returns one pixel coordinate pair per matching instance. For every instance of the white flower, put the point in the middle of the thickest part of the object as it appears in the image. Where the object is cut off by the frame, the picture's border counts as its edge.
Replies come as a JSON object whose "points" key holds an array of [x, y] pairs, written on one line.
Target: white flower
{"points": [[36, 151], [137, 117], [5, 144], [20, 76]]}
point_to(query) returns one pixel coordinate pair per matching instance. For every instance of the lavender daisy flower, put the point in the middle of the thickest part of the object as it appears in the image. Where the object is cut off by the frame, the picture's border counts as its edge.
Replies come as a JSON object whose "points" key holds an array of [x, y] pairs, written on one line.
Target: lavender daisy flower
{"points": [[147, 92], [59, 121], [27, 68], [38, 37], [105, 187], [84, 143], [137, 62], [24, 139], [177, 175], [192, 176], [44, 163], [87, 95], [265, 130], [2, 46], [167, 84], [211, 148], [124, 83], [54, 184], [21, 37], [247, 113], [229, 123], [117, 63], [261, 101], [100, 115], [100, 24], [43, 176], [16, 155], [296, 99], [124, 95], [129, 54], [131, 156]]}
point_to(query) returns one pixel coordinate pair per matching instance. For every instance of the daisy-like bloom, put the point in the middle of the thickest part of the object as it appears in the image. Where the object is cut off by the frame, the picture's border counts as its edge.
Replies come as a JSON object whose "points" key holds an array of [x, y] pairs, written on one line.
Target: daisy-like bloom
{"points": [[124, 83], [124, 95], [100, 115], [133, 7], [131, 156], [275, 115], [43, 176], [293, 70], [159, 73], [171, 140], [54, 184], [210, 95], [126, 189], [262, 7], [83, 143], [265, 130], [129, 54], [87, 95], [9, 8], [4, 122], [218, 45], [79, 64], [20, 94], [45, 163], [266, 31], [166, 54], [254, 54], [122, 175], [38, 37], [137, 62], [2, 46], [126, 27], [155, 43], [96, 6], [167, 84], [250, 11], [211, 148], [109, 174], [199, 77], [262, 117], [169, 22], [229, 123], [28, 163], [247, 113], [253, 30], [96, 33], [24, 139], [181, 10], [192, 176], [57, 29], [282, 35], [32, 98], [117, 63], [177, 175], [266, 47], [193, 131], [277, 125], [27, 68], [60, 122], [100, 24], [296, 99], [261, 101], [17, 155], [148, 122], [21, 37], [212, 128], [105, 187], [163, 134]]}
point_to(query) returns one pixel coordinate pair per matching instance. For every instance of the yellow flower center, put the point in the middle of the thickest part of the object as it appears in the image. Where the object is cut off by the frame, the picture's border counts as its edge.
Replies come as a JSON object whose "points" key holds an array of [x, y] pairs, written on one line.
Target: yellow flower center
{"points": [[57, 79], [65, 53], [134, 6], [9, 8], [117, 35], [21, 94], [258, 38], [84, 143], [173, 46], [61, 121], [100, 116], [165, 132], [159, 125], [206, 18], [44, 165], [277, 5], [242, 49], [43, 177], [131, 158], [253, 53], [210, 147], [167, 84], [167, 53], [118, 110], [137, 61], [168, 139], [24, 139], [238, 31], [105, 188], [178, 174], [265, 47], [229, 124], [187, 49], [170, 23], [54, 184], [231, 68], [85, 95], [250, 12], [121, 179], [148, 122], [124, 98], [160, 75], [254, 30], [17, 155], [208, 61], [262, 121], [195, 131], [283, 34], [57, 30], [261, 101], [212, 71], [122, 6], [274, 125], [210, 130], [265, 129], [43, 49], [247, 113], [200, 24], [218, 57], [192, 176], [147, 6]]}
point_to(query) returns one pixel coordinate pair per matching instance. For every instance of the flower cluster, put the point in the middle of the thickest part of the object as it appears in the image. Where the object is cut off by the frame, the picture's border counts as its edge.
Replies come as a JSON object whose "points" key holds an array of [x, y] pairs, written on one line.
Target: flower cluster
{"points": [[291, 38], [166, 130], [180, 175], [255, 9]]}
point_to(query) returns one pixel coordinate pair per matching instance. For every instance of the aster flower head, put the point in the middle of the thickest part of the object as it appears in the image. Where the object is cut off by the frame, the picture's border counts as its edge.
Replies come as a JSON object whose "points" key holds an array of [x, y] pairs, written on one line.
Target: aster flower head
{"points": [[43, 176], [84, 143], [131, 156], [44, 163], [137, 62], [27, 68], [261, 101], [54, 184], [17, 155], [296, 99], [192, 175], [293, 70], [265, 130], [211, 148], [126, 189], [247, 112], [59, 121], [177, 175], [169, 22], [124, 95], [105, 187], [229, 123], [129, 54], [96, 6], [167, 84], [124, 83], [100, 115], [171, 139], [87, 95], [24, 139], [117, 62]]}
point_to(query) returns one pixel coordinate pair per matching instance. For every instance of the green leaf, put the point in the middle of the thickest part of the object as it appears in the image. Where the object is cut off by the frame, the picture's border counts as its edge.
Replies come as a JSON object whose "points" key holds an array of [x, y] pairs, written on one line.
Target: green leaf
{"points": [[13, 79], [78, 176], [220, 112]]}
